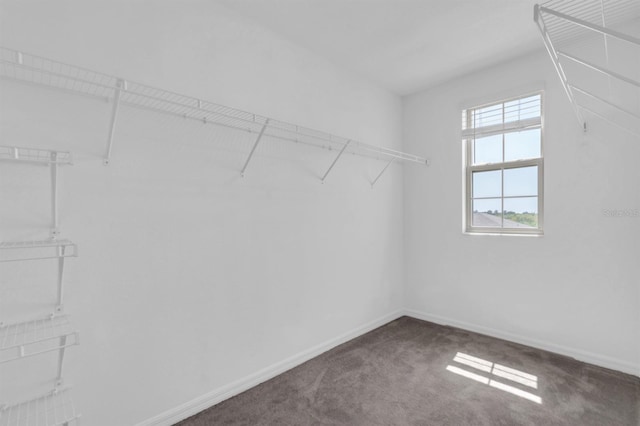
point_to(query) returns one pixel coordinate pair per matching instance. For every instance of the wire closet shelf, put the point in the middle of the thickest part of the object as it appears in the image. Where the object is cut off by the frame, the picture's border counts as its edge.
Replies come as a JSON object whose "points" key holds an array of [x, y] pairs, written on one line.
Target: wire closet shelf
{"points": [[12, 251], [46, 72], [52, 409], [34, 155], [35, 337], [595, 48]]}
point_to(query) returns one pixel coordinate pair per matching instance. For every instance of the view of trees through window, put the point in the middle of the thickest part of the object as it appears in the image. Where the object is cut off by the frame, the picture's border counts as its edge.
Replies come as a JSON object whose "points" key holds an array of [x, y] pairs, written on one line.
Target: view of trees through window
{"points": [[524, 218], [504, 164]]}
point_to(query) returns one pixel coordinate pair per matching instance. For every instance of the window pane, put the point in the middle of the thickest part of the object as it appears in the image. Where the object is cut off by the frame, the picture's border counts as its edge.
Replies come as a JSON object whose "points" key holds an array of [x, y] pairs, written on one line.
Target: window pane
{"points": [[487, 116], [503, 141], [487, 150], [487, 213], [521, 109], [487, 184], [521, 212], [521, 181], [522, 145]]}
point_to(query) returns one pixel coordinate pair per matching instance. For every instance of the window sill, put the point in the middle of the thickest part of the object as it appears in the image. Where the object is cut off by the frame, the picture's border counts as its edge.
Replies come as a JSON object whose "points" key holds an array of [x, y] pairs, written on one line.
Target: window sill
{"points": [[504, 234]]}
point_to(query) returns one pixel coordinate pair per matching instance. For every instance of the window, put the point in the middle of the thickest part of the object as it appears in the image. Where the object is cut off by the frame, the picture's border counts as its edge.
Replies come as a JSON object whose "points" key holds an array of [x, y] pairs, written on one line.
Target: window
{"points": [[504, 166]]}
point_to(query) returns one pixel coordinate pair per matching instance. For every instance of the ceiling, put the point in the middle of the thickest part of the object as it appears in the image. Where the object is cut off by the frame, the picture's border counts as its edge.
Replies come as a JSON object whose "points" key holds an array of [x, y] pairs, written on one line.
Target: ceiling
{"points": [[402, 45]]}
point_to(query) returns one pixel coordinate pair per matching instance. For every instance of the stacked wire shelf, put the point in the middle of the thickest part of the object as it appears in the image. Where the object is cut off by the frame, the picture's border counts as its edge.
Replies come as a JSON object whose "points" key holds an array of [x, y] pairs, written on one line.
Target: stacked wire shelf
{"points": [[33, 155], [35, 337], [49, 334], [53, 409], [11, 251]]}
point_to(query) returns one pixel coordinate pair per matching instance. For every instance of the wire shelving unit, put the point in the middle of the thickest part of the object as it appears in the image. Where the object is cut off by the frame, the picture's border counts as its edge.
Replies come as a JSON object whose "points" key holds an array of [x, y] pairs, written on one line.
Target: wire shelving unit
{"points": [[49, 158], [35, 337], [120, 92], [53, 409], [15, 251], [50, 334], [564, 24], [12, 251], [34, 155]]}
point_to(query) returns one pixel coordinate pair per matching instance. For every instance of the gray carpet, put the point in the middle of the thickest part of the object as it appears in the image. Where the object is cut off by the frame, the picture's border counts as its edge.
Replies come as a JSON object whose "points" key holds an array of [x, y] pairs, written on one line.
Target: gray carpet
{"points": [[412, 372]]}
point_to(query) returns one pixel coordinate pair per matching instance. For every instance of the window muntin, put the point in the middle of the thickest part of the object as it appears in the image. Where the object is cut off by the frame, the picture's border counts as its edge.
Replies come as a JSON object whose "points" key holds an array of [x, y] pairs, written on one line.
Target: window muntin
{"points": [[504, 166]]}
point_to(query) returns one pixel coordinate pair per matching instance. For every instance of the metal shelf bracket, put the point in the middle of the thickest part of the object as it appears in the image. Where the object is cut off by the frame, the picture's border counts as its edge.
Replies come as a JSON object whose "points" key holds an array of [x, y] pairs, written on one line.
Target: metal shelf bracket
{"points": [[381, 173], [336, 160], [120, 86], [255, 145]]}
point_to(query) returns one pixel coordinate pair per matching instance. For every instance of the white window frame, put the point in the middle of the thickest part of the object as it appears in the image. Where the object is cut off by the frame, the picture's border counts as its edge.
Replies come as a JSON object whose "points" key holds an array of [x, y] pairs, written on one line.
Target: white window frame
{"points": [[468, 136]]}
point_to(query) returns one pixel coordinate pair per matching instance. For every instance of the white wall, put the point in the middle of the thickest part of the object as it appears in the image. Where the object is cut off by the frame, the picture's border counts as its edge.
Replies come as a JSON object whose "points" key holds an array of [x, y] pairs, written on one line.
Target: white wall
{"points": [[574, 290], [189, 276]]}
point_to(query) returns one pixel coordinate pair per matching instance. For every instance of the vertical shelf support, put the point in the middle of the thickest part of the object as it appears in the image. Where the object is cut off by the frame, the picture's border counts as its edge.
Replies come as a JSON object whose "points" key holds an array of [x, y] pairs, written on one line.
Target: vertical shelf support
{"points": [[255, 145], [382, 172], [336, 160], [59, 304], [120, 86], [63, 346], [54, 195], [537, 17]]}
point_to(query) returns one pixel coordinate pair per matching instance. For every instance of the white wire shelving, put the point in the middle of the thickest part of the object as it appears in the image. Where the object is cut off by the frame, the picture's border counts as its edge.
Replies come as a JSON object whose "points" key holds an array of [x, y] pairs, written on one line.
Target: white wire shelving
{"points": [[41, 249], [46, 72], [52, 159], [564, 24], [35, 337], [12, 251], [42, 335], [15, 251], [34, 155], [53, 409]]}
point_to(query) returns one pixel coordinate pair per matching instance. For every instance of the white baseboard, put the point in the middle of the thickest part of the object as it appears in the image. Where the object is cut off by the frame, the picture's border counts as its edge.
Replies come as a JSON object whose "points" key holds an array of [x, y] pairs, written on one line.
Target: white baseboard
{"points": [[216, 396], [580, 355]]}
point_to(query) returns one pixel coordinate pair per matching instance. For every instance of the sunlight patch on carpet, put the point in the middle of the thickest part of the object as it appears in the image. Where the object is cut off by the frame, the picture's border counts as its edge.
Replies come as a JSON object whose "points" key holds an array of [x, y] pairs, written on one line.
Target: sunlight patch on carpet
{"points": [[508, 373]]}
